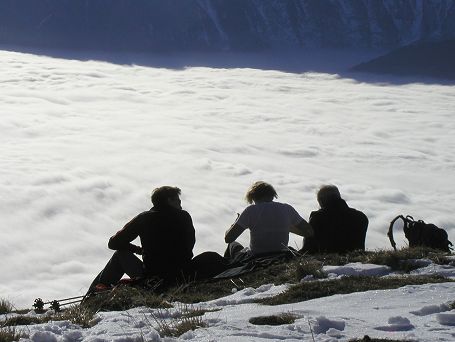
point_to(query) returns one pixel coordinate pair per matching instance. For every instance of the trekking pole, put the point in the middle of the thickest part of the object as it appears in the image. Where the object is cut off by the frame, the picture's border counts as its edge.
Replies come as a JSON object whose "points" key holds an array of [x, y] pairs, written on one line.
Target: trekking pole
{"points": [[233, 282], [65, 299], [75, 301], [56, 303], [40, 301]]}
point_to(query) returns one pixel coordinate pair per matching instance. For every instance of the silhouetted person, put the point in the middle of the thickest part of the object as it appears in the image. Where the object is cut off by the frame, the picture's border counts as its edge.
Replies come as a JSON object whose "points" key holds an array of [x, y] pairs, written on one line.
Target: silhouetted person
{"points": [[269, 224], [337, 228], [167, 238]]}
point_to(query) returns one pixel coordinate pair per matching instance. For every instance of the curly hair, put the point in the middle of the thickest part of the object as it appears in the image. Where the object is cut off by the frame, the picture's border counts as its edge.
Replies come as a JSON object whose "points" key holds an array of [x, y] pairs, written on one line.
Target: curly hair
{"points": [[260, 190]]}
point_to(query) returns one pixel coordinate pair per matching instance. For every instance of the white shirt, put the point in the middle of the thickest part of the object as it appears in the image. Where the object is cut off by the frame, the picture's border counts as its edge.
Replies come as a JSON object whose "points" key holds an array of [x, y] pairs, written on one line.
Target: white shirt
{"points": [[269, 224]]}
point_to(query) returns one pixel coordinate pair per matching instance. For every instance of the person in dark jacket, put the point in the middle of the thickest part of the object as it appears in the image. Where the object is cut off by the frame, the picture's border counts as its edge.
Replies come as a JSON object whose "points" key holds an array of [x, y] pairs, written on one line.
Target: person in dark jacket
{"points": [[337, 227], [167, 238]]}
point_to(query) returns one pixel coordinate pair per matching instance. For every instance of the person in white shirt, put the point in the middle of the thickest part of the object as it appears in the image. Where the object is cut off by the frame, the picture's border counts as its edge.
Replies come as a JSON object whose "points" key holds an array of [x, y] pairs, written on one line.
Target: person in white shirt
{"points": [[269, 223]]}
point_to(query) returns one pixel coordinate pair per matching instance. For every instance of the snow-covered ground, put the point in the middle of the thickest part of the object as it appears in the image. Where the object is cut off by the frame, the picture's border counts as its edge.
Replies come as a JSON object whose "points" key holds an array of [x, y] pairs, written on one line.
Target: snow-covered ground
{"points": [[84, 143], [417, 313]]}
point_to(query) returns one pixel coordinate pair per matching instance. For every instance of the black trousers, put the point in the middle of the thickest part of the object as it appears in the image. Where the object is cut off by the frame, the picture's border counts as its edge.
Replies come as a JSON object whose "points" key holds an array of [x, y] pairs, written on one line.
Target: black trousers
{"points": [[122, 262], [236, 253]]}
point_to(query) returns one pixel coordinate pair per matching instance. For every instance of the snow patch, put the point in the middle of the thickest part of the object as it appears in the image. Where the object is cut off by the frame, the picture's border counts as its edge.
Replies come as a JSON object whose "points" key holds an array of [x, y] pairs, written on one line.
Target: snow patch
{"points": [[433, 269], [323, 324], [446, 318], [250, 294], [358, 269], [431, 309], [397, 323], [43, 336]]}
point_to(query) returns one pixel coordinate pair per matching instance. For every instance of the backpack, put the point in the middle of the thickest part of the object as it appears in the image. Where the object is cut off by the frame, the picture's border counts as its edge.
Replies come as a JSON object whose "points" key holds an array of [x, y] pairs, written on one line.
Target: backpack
{"points": [[421, 234]]}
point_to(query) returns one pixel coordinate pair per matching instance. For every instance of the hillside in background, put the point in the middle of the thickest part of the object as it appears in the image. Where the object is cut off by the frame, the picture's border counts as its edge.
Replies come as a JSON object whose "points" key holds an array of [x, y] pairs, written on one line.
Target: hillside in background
{"points": [[220, 25], [435, 59]]}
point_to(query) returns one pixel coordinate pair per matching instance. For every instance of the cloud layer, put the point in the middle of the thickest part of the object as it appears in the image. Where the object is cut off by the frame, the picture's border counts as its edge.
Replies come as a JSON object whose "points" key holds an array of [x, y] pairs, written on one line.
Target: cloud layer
{"points": [[84, 143]]}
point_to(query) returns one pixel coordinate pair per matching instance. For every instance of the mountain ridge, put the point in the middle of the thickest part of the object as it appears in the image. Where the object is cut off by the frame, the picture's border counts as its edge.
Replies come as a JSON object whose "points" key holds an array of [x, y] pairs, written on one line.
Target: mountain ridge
{"points": [[431, 59], [220, 25]]}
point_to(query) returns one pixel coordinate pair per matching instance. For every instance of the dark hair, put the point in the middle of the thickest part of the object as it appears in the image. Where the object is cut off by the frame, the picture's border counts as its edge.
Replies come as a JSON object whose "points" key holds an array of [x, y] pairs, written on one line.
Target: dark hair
{"points": [[260, 190], [163, 193], [327, 194]]}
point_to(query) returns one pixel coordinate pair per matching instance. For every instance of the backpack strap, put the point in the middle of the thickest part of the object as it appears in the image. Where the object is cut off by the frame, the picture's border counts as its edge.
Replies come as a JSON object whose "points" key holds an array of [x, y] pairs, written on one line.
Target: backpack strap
{"points": [[390, 232], [409, 228]]}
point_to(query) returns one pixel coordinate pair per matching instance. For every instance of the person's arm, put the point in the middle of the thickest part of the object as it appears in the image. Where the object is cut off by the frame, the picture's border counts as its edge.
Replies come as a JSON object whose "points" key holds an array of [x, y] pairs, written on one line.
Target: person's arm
{"points": [[190, 236], [363, 234], [122, 239], [233, 233], [303, 228]]}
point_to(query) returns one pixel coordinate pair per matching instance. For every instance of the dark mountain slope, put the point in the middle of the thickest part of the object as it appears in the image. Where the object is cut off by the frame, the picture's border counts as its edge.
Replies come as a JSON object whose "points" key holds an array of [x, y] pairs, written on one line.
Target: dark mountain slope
{"points": [[220, 25], [434, 59]]}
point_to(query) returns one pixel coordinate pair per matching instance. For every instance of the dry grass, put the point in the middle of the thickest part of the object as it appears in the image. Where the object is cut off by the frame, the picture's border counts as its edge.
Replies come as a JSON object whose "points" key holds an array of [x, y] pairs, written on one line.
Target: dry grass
{"points": [[281, 319], [366, 338], [25, 320], [309, 267], [125, 297], [400, 260], [77, 314], [9, 334], [189, 319], [5, 306], [318, 289], [176, 329], [198, 312]]}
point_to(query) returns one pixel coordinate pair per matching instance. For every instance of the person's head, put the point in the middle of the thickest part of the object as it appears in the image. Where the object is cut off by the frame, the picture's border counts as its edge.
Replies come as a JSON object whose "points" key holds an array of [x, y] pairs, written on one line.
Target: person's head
{"points": [[260, 192], [328, 194], [166, 196]]}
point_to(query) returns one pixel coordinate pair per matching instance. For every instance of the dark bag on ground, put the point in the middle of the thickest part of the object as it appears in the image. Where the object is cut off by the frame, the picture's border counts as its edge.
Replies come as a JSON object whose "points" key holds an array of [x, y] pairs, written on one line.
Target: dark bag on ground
{"points": [[421, 234], [206, 265]]}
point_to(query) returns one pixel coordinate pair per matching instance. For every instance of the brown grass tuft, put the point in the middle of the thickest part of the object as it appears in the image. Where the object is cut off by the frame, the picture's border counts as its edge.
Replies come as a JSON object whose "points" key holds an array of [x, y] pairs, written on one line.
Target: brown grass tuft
{"points": [[281, 319], [9, 334], [317, 289], [5, 306]]}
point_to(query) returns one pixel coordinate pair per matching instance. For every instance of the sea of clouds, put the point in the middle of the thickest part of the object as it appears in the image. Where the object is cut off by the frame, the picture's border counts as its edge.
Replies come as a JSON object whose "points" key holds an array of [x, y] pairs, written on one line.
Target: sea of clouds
{"points": [[85, 142]]}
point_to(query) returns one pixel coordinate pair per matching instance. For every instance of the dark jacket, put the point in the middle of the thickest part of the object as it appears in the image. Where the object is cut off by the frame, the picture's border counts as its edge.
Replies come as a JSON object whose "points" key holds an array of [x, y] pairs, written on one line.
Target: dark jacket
{"points": [[337, 229], [167, 238]]}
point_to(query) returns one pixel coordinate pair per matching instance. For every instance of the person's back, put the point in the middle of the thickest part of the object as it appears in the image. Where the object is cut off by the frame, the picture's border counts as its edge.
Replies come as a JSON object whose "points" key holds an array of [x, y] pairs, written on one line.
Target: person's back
{"points": [[170, 242], [269, 223], [337, 227], [167, 238]]}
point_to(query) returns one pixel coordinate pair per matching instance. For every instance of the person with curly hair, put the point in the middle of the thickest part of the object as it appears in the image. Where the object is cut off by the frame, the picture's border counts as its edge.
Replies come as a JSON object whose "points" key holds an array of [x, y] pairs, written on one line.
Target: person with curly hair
{"points": [[268, 221]]}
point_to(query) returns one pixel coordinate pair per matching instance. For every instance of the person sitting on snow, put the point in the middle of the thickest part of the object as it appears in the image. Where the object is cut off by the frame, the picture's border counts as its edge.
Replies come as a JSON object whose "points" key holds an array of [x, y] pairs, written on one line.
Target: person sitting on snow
{"points": [[337, 227], [167, 237], [269, 223]]}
